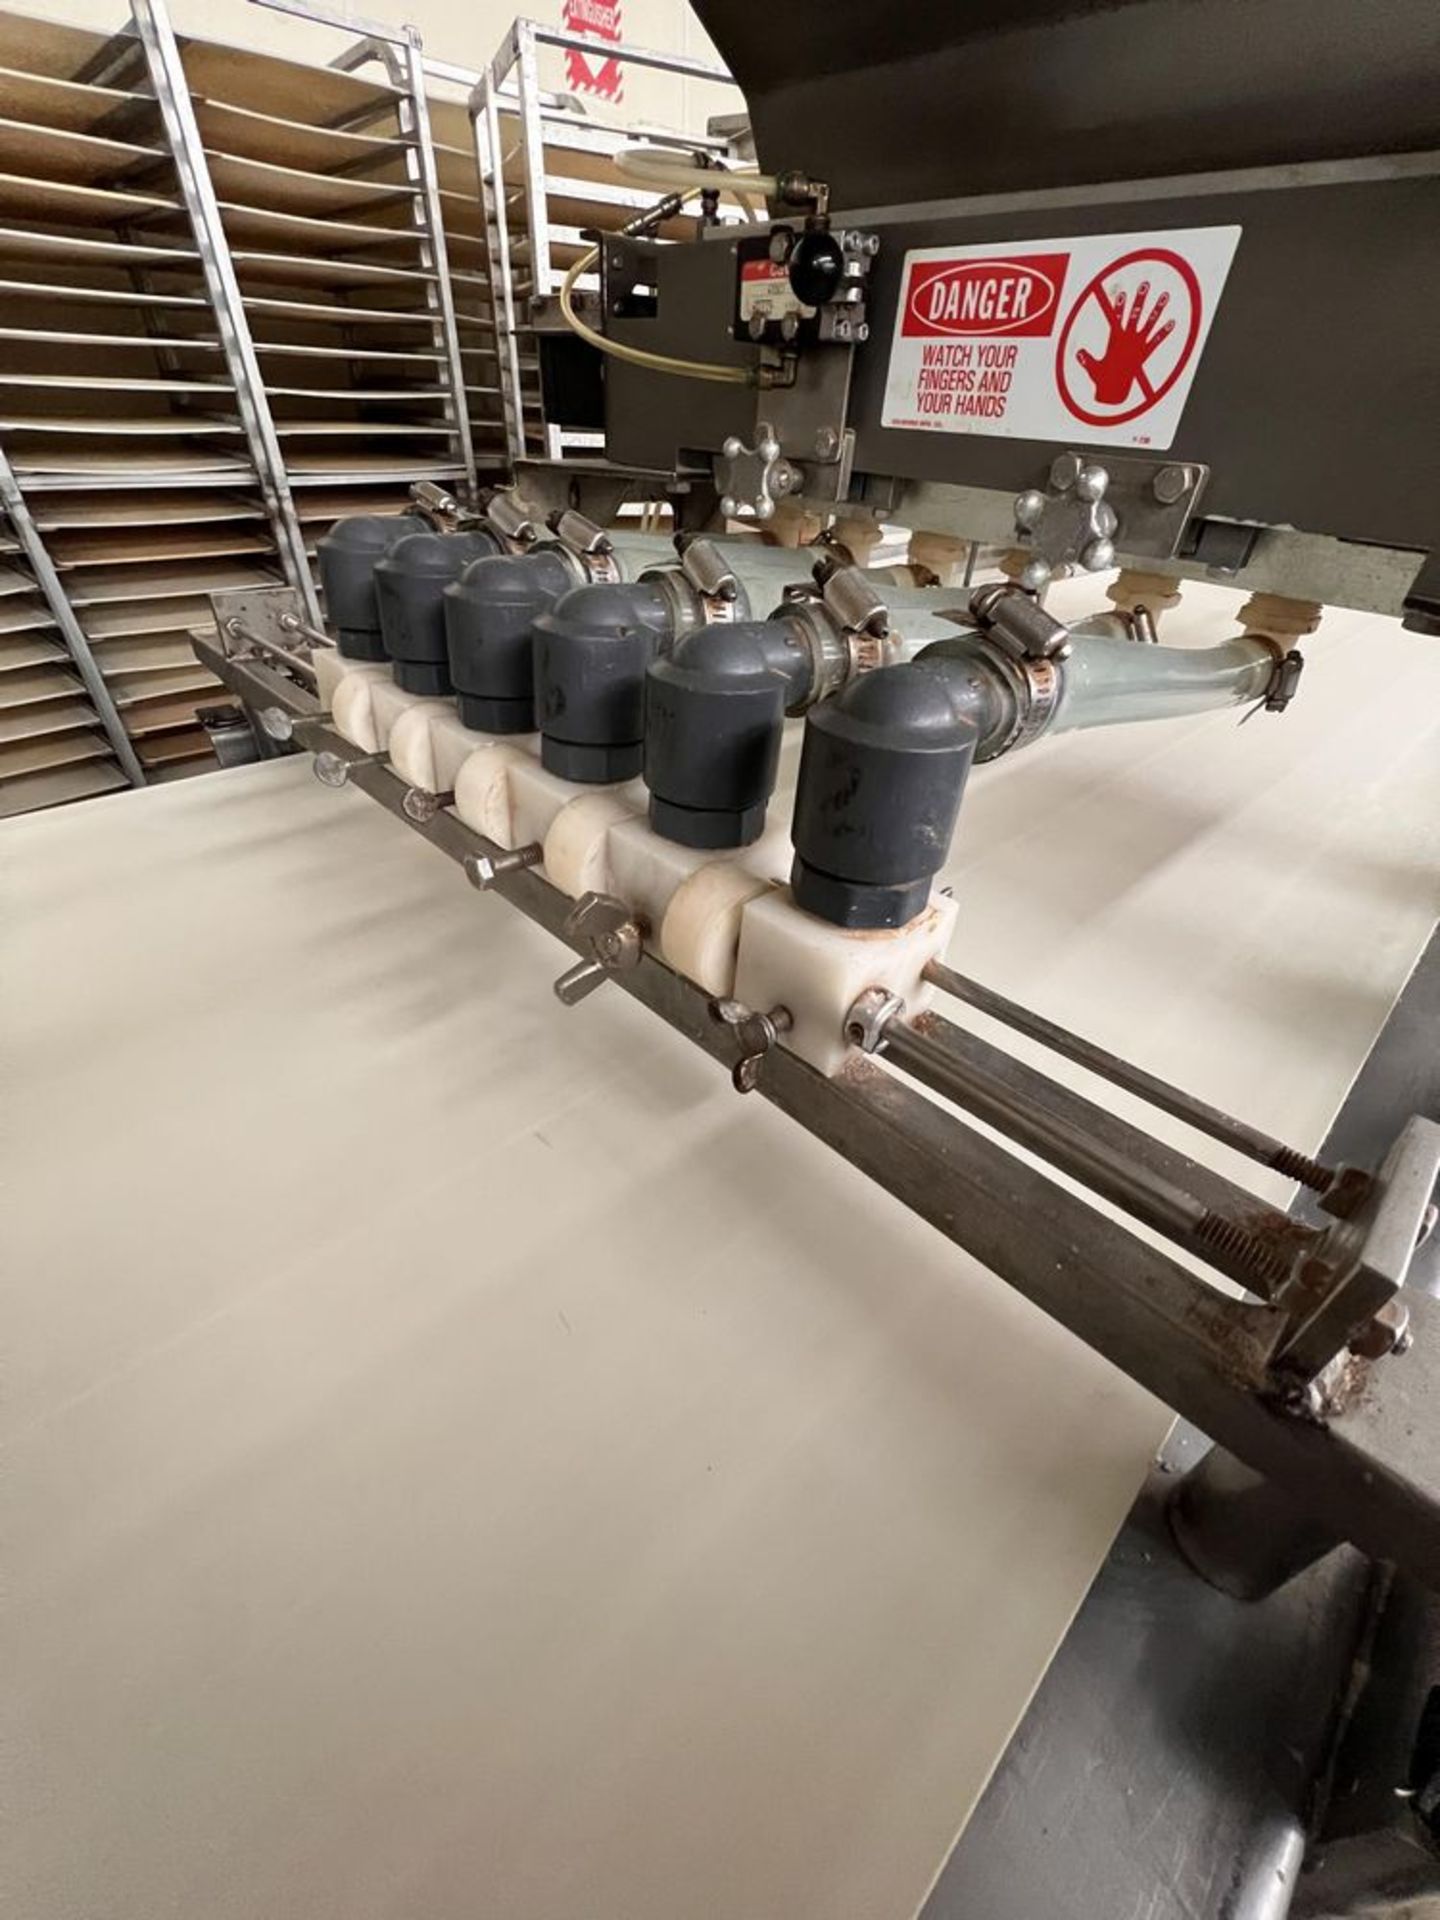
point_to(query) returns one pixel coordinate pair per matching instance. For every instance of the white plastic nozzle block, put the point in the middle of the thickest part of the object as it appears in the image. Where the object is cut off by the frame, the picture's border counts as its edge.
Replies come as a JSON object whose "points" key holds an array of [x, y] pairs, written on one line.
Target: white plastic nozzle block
{"points": [[700, 934], [483, 795], [788, 958], [352, 709], [388, 702], [692, 897], [577, 845], [331, 667]]}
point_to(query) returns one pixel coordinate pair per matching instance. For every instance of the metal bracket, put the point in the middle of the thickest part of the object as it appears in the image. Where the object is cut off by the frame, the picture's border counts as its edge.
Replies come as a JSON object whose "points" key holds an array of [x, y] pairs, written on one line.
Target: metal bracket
{"points": [[756, 1033], [1353, 1273], [867, 1020], [1087, 511], [615, 937], [753, 480]]}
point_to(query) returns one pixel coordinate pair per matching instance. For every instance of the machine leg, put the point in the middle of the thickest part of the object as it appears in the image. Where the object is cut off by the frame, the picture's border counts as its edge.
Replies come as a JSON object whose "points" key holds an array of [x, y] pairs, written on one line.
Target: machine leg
{"points": [[1241, 1532]]}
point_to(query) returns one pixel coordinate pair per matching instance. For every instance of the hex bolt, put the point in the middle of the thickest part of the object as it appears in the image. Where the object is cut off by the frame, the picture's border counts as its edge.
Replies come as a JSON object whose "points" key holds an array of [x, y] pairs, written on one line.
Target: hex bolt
{"points": [[727, 506], [421, 805], [780, 246], [1065, 471], [1099, 555], [333, 770], [1169, 484], [827, 443], [1036, 576], [484, 870]]}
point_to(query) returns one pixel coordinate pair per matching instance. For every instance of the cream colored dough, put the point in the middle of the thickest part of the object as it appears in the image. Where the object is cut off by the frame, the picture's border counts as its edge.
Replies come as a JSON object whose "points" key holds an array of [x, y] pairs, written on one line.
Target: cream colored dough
{"points": [[465, 1461]]}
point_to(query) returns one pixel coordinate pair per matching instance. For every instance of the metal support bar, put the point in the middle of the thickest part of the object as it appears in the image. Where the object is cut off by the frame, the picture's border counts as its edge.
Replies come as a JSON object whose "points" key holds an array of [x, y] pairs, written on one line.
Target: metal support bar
{"points": [[177, 112], [73, 634], [1150, 1193], [537, 205], [1230, 1132], [420, 163], [1371, 1469], [489, 167], [682, 63]]}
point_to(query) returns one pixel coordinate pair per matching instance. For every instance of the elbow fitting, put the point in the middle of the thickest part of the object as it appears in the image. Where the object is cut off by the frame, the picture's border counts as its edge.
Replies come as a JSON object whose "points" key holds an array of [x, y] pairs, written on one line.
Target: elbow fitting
{"points": [[490, 612], [882, 773], [591, 650], [714, 718], [348, 554], [410, 582]]}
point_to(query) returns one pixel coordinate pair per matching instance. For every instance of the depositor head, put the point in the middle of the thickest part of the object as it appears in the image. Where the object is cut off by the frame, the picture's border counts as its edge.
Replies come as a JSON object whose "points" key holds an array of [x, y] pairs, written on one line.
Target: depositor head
{"points": [[410, 581], [881, 775], [490, 613], [591, 652], [348, 554]]}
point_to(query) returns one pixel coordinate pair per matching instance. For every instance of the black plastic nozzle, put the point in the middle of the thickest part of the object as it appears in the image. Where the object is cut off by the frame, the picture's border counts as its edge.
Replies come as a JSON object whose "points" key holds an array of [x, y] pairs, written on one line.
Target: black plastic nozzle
{"points": [[591, 652], [348, 554], [881, 776], [490, 612], [714, 718], [410, 581]]}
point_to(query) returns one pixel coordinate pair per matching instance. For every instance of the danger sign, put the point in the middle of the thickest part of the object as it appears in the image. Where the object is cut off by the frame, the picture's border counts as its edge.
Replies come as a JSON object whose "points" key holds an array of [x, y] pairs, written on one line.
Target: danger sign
{"points": [[1091, 339], [599, 19]]}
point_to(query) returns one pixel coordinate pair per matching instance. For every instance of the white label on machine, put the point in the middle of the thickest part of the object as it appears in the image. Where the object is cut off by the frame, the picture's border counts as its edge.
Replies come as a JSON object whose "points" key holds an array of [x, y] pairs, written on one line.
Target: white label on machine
{"points": [[1096, 338], [765, 289]]}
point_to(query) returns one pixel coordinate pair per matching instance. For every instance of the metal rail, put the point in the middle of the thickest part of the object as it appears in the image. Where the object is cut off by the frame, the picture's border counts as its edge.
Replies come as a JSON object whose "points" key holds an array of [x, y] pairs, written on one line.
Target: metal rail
{"points": [[1224, 1127], [73, 634], [182, 132], [1370, 1469]]}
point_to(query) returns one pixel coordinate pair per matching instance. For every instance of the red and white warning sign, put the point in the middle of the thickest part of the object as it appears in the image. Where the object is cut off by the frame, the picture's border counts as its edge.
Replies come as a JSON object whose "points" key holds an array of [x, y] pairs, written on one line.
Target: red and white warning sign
{"points": [[600, 20], [1092, 339]]}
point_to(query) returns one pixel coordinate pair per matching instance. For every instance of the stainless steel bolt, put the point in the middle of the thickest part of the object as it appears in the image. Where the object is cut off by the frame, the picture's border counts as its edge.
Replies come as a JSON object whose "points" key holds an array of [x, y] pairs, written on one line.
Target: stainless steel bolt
{"points": [[1169, 484], [1065, 471], [827, 443], [1036, 576], [1098, 555]]}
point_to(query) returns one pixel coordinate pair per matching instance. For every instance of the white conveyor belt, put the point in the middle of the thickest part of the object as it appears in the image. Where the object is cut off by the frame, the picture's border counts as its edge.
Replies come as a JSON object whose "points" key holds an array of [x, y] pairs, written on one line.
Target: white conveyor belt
{"points": [[464, 1461]]}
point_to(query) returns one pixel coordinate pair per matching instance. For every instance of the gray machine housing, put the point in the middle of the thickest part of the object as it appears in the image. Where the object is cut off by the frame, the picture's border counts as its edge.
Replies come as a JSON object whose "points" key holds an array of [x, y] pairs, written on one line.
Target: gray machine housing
{"points": [[1308, 435]]}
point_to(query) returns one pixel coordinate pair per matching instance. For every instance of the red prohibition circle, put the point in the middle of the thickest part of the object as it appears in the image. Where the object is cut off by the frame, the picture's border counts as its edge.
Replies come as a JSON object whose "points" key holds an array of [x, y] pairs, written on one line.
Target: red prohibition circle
{"points": [[1192, 287]]}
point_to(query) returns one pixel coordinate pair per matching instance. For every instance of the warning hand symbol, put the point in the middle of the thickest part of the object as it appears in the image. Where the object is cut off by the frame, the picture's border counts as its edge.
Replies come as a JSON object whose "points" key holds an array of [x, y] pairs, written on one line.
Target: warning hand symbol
{"points": [[1134, 335]]}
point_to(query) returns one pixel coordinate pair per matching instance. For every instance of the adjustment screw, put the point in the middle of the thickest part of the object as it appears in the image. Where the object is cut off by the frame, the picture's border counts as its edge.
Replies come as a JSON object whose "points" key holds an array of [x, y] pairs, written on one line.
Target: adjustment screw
{"points": [[1169, 483], [1029, 506]]}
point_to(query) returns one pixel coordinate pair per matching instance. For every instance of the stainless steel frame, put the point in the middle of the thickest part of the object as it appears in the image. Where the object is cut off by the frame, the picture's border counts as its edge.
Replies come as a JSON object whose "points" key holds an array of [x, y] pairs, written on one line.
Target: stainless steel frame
{"points": [[513, 79], [172, 92], [400, 50], [48, 580]]}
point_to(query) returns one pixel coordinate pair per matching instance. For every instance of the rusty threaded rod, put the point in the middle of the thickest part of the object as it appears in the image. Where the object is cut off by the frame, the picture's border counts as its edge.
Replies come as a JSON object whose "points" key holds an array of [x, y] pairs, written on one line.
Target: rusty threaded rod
{"points": [[1224, 1127]]}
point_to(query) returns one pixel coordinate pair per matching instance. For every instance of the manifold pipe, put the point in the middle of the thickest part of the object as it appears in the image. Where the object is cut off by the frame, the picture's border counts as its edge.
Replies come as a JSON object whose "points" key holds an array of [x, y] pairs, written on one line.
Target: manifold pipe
{"points": [[865, 855], [715, 705], [491, 610], [592, 647]]}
